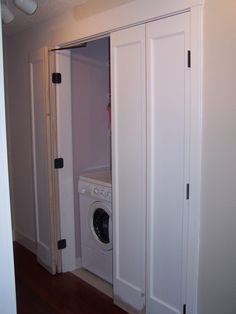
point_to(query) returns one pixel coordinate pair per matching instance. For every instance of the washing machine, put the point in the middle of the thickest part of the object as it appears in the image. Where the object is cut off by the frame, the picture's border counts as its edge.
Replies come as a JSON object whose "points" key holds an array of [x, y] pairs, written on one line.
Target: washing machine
{"points": [[95, 194]]}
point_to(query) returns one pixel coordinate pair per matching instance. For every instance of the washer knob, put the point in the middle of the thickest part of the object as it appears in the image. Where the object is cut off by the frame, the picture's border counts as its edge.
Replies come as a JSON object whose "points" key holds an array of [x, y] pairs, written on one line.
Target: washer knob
{"points": [[103, 193]]}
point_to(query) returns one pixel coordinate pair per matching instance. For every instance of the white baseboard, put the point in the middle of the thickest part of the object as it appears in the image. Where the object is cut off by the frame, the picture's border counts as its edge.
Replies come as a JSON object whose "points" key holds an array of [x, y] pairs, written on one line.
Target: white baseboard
{"points": [[25, 241]]}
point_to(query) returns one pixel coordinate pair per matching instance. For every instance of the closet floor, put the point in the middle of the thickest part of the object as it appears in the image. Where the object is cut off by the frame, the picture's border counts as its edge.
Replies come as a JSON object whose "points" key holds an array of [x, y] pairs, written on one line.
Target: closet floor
{"points": [[94, 281], [38, 292]]}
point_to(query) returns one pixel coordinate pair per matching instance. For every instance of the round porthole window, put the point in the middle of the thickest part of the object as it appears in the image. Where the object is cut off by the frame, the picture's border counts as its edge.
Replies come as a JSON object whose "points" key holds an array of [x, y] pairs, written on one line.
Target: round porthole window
{"points": [[101, 225]]}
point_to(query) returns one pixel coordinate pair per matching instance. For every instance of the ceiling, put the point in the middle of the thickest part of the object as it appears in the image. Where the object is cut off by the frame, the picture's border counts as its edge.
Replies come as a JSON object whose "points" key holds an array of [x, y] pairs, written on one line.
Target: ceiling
{"points": [[48, 9]]}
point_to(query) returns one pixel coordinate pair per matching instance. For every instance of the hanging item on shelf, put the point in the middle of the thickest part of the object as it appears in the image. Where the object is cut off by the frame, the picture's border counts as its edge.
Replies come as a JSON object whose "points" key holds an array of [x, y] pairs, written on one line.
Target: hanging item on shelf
{"points": [[109, 115]]}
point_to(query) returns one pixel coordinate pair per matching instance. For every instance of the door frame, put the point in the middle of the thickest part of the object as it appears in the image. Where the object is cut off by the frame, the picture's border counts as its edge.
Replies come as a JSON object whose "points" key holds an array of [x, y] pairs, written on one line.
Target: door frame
{"points": [[69, 261], [196, 42]]}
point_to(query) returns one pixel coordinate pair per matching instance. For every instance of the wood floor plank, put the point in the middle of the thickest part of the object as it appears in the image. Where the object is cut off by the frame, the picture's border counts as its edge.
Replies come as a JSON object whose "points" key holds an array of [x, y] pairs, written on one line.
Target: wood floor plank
{"points": [[38, 292]]}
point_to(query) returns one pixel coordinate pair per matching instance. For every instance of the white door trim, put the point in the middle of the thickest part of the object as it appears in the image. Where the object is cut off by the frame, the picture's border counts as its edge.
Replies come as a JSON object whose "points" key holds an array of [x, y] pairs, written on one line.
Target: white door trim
{"points": [[196, 21]]}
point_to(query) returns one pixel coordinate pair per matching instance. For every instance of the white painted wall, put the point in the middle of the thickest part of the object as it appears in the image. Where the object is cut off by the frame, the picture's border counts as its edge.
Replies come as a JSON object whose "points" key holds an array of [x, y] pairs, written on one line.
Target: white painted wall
{"points": [[90, 97], [7, 295], [217, 282], [19, 119]]}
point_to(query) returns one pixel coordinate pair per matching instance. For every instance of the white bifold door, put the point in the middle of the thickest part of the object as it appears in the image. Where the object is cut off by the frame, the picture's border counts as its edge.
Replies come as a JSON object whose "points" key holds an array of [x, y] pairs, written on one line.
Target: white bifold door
{"points": [[128, 166], [168, 107], [42, 159], [151, 142]]}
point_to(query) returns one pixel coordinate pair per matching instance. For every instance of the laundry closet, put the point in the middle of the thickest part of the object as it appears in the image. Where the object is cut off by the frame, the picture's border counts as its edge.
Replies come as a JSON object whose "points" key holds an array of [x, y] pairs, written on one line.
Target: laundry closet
{"points": [[147, 76], [91, 138]]}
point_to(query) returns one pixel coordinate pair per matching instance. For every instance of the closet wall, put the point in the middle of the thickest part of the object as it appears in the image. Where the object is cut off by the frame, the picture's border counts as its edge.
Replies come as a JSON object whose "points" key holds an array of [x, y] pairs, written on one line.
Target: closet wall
{"points": [[90, 120]]}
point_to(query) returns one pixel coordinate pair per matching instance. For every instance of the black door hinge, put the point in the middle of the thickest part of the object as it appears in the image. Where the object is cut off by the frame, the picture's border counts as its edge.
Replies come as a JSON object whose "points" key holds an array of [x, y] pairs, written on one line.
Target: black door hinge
{"points": [[61, 244], [56, 78], [187, 191], [58, 163], [189, 58], [184, 308]]}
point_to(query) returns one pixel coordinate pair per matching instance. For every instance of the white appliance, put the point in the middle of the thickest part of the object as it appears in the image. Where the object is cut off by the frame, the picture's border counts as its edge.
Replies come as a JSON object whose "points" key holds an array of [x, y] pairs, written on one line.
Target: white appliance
{"points": [[96, 222]]}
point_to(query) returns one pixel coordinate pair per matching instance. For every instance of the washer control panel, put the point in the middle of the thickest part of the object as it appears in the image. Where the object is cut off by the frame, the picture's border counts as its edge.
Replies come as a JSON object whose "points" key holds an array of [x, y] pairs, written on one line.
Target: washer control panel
{"points": [[95, 190], [102, 192]]}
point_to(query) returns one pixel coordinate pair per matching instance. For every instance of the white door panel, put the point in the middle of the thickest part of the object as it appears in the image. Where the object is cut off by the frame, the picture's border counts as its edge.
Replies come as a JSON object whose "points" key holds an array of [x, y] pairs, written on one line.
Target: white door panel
{"points": [[65, 149], [168, 162], [128, 150], [41, 137]]}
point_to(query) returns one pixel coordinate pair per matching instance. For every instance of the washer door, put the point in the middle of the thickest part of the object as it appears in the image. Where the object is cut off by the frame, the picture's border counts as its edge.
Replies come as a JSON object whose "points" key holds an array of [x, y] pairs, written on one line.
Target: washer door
{"points": [[101, 225]]}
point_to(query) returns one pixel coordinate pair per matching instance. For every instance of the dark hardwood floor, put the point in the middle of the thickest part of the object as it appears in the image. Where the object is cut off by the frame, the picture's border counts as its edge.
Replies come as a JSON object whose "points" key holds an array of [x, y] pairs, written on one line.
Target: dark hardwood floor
{"points": [[38, 292]]}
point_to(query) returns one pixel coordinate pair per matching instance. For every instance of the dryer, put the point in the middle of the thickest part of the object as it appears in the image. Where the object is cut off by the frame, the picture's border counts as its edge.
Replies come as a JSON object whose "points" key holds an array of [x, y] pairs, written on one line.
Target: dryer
{"points": [[95, 194]]}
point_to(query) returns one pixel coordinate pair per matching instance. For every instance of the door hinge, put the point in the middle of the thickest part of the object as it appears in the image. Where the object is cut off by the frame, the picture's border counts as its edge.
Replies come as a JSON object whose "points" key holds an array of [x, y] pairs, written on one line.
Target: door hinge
{"points": [[56, 78], [189, 58], [187, 191], [61, 244], [184, 308], [58, 163]]}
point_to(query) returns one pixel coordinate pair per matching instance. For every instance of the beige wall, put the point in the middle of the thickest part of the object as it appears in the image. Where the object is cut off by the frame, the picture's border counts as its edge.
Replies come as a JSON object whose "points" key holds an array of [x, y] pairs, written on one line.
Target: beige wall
{"points": [[217, 282], [20, 144]]}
